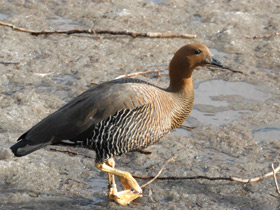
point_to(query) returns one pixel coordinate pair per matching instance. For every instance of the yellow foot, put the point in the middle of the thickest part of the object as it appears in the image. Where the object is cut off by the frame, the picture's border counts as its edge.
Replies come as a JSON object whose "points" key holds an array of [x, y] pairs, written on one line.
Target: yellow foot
{"points": [[124, 197]]}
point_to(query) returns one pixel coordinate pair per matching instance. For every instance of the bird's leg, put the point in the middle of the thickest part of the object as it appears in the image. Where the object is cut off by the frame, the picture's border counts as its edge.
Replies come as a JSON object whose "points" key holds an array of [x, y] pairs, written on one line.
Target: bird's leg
{"points": [[122, 197], [111, 179]]}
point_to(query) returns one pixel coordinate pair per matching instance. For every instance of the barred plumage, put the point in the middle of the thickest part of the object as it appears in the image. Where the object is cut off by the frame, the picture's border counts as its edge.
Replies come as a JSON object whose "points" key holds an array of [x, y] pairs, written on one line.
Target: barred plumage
{"points": [[120, 116], [133, 129]]}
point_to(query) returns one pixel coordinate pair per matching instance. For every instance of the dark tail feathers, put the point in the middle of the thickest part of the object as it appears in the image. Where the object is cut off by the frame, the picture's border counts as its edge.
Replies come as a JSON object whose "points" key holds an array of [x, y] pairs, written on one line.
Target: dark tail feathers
{"points": [[24, 147]]}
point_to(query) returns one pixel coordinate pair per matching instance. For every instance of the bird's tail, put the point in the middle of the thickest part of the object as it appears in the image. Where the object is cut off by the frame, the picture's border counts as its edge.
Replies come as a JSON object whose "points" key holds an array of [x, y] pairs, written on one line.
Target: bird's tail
{"points": [[24, 147]]}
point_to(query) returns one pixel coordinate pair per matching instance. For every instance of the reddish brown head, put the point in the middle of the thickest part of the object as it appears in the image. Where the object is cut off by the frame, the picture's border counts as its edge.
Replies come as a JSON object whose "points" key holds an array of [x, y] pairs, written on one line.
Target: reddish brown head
{"points": [[185, 60]]}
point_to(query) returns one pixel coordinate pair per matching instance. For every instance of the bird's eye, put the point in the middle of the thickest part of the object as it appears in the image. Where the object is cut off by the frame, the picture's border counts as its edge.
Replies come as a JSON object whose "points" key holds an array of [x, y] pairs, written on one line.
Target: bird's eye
{"points": [[197, 52]]}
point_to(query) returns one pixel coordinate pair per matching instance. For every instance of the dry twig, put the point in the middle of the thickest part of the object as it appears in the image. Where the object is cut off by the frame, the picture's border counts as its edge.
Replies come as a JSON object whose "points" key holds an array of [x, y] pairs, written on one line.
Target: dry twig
{"points": [[231, 178], [144, 151], [8, 63], [263, 36], [275, 178], [189, 128], [70, 152], [155, 177], [135, 74], [133, 34]]}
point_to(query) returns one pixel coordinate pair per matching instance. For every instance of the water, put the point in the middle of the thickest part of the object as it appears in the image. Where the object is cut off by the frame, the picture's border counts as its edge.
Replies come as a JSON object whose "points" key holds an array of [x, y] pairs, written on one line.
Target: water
{"points": [[218, 118], [215, 156], [94, 185], [218, 54], [197, 19], [182, 131], [66, 79], [268, 133], [154, 1], [215, 103], [3, 16], [215, 99], [204, 92], [62, 23], [97, 184]]}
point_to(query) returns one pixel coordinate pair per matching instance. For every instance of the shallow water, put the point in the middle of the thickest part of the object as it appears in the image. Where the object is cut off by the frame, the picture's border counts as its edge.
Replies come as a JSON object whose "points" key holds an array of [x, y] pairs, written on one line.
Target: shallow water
{"points": [[214, 101], [205, 91], [3, 16], [236, 116], [62, 23], [216, 104], [266, 134], [97, 184]]}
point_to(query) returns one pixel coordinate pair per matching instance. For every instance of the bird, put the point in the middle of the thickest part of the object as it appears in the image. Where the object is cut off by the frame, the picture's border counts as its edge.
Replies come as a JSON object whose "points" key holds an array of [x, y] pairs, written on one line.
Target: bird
{"points": [[120, 116]]}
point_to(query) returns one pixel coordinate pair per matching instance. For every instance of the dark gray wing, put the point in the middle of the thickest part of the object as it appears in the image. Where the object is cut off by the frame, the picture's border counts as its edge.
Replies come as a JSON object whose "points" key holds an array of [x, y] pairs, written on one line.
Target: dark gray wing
{"points": [[78, 117]]}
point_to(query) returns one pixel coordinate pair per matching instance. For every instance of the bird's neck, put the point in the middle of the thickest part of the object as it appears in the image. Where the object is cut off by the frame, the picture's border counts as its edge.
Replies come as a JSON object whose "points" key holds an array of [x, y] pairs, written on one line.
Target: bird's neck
{"points": [[183, 99], [181, 85], [180, 76]]}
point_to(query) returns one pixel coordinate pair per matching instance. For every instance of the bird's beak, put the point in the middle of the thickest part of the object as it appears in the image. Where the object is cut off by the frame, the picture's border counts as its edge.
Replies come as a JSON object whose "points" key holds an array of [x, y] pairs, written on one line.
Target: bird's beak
{"points": [[215, 62]]}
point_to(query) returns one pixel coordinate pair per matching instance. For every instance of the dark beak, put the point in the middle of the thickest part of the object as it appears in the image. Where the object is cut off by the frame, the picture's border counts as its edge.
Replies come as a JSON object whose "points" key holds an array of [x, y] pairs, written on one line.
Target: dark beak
{"points": [[215, 62]]}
